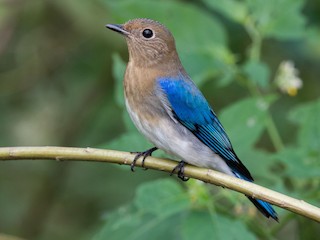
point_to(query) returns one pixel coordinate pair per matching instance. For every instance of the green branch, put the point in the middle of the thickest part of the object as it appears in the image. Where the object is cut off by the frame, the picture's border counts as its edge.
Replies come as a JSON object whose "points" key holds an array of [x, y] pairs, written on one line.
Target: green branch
{"points": [[206, 175]]}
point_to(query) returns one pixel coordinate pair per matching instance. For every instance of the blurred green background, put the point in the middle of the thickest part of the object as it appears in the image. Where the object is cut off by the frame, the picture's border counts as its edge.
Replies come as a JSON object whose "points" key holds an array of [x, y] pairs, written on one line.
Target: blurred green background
{"points": [[60, 84]]}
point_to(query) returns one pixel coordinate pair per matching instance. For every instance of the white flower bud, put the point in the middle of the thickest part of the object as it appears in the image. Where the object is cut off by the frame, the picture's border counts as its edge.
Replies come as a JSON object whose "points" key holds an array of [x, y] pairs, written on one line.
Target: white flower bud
{"points": [[287, 78]]}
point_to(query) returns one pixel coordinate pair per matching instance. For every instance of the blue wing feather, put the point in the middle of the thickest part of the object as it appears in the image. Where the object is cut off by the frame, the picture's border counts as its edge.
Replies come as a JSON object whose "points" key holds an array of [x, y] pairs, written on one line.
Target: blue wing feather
{"points": [[192, 110]]}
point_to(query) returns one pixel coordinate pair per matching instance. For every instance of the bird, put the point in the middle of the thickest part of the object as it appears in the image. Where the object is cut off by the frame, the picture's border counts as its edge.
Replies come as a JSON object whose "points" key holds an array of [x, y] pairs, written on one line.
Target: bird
{"points": [[167, 107]]}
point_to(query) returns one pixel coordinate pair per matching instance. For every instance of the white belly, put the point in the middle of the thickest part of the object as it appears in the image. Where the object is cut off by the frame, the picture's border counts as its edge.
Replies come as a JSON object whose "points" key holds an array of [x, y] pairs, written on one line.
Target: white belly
{"points": [[175, 139]]}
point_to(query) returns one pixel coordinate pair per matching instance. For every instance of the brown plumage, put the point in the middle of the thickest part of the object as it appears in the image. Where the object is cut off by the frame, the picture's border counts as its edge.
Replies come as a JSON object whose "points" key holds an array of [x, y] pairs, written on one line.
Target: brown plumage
{"points": [[149, 58]]}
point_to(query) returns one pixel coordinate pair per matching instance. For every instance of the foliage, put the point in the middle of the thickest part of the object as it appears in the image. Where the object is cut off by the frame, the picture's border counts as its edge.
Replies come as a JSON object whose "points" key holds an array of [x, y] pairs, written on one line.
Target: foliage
{"points": [[155, 214], [61, 84]]}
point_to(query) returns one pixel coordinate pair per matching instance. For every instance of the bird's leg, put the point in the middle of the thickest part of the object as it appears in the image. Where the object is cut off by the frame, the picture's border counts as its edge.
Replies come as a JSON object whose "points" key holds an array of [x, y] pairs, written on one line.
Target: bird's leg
{"points": [[145, 154], [180, 169]]}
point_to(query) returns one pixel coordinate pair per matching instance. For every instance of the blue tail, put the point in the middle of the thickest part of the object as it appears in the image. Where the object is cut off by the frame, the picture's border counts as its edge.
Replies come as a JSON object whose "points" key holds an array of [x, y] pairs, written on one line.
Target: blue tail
{"points": [[265, 208]]}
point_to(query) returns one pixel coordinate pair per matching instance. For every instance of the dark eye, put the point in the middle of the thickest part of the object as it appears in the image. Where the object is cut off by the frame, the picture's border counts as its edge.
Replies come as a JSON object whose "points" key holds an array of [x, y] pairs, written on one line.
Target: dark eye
{"points": [[147, 33]]}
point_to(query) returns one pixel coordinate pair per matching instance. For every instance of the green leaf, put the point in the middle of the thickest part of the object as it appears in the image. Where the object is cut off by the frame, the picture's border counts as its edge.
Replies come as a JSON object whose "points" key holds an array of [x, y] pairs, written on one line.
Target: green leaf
{"points": [[308, 117], [257, 72], [199, 193], [227, 76], [130, 224], [118, 70], [203, 226], [298, 163], [197, 39], [156, 213], [245, 120], [198, 225], [161, 210], [311, 45], [279, 19], [162, 197], [130, 141], [232, 9], [259, 163]]}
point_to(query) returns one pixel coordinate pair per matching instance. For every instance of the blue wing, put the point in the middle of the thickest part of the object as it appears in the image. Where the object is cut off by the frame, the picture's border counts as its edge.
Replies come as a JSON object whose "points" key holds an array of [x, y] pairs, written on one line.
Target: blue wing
{"points": [[191, 109]]}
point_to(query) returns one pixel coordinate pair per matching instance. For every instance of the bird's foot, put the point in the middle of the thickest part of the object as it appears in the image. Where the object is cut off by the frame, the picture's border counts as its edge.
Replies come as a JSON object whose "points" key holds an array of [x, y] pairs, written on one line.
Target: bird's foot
{"points": [[180, 171], [145, 154]]}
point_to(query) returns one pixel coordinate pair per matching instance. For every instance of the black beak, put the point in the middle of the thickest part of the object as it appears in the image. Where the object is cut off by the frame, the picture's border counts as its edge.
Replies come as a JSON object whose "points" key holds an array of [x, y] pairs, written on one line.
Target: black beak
{"points": [[117, 28]]}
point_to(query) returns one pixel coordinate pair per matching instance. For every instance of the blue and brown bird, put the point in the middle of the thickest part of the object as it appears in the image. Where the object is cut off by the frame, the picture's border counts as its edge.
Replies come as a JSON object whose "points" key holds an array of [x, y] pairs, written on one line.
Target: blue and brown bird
{"points": [[169, 110]]}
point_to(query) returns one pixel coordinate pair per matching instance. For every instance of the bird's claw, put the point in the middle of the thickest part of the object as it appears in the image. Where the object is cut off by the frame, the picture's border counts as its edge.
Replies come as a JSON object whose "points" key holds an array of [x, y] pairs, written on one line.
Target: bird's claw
{"points": [[145, 154], [180, 171]]}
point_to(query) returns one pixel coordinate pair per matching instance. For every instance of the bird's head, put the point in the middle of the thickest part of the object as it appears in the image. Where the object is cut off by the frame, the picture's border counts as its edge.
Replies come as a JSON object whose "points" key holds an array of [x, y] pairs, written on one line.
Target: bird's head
{"points": [[149, 42]]}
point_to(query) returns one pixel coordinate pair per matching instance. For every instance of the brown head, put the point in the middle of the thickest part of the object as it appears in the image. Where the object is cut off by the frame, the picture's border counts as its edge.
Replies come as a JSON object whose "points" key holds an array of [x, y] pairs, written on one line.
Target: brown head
{"points": [[149, 42]]}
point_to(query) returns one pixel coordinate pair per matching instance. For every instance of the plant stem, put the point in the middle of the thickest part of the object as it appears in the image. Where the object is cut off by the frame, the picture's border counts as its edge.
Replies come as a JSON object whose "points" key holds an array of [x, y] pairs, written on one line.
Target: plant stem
{"points": [[273, 133], [256, 39], [255, 51], [270, 125], [205, 175]]}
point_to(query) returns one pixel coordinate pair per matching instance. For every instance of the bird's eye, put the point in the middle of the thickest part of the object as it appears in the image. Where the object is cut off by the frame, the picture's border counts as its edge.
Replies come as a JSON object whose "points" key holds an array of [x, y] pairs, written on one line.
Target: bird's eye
{"points": [[147, 33]]}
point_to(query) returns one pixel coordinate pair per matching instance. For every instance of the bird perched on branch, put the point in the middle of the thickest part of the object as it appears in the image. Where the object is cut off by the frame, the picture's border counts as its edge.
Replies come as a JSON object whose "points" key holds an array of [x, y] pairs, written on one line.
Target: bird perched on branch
{"points": [[169, 110]]}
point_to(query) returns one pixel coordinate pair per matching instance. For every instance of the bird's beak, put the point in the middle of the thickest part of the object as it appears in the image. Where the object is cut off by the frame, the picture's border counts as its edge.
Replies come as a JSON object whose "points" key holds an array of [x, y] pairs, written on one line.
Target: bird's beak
{"points": [[117, 28]]}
